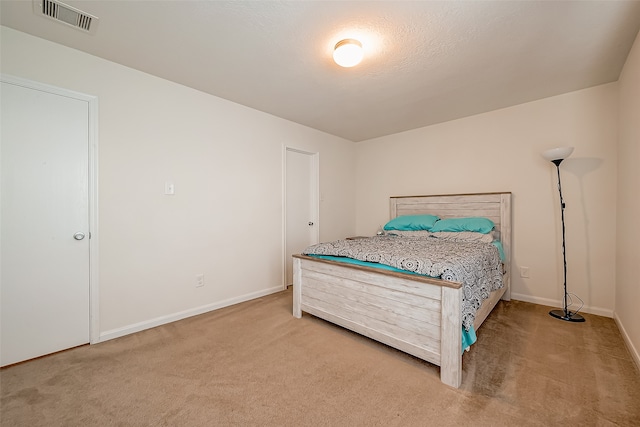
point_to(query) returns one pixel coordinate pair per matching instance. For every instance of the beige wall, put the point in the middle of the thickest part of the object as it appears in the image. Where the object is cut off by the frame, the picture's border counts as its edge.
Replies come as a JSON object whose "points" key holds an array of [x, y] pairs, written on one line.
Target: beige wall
{"points": [[151, 130], [628, 208], [225, 160], [500, 151]]}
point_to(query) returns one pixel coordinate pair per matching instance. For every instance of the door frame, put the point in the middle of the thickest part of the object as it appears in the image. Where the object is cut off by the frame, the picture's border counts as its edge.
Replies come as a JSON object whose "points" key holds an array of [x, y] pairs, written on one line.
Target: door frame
{"points": [[92, 137], [315, 195]]}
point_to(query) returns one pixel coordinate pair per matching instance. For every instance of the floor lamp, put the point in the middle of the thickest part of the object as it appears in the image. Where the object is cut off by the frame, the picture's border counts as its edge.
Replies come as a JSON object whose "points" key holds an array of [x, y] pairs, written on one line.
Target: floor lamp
{"points": [[556, 156]]}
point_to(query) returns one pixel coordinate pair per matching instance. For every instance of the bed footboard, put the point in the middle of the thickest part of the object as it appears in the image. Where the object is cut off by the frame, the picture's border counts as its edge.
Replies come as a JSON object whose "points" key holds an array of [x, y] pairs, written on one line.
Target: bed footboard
{"points": [[420, 316]]}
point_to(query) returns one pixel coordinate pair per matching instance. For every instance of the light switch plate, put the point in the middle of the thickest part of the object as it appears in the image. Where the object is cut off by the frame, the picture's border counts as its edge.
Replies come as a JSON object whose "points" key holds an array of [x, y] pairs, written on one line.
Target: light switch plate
{"points": [[169, 188]]}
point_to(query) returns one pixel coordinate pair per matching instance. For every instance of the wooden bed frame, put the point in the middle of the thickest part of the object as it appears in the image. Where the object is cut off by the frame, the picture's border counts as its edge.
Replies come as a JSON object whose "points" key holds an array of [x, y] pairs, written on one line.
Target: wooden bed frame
{"points": [[415, 314]]}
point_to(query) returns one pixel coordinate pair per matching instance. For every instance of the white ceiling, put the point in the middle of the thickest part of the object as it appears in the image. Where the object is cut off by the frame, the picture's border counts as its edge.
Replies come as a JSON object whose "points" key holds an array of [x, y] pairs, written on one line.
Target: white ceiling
{"points": [[425, 62]]}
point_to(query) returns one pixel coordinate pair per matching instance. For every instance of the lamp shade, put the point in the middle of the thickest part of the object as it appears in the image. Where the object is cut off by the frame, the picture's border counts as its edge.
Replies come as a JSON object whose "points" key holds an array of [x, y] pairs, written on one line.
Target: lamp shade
{"points": [[559, 153], [348, 53]]}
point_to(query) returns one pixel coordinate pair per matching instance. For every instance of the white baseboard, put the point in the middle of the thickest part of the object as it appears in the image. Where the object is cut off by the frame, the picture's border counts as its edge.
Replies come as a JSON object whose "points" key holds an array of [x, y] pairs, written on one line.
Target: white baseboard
{"points": [[553, 303], [148, 324], [634, 351]]}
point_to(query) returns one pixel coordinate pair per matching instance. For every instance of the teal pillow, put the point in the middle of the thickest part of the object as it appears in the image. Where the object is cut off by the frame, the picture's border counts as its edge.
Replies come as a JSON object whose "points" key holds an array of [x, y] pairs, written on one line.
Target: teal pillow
{"points": [[477, 224], [412, 222]]}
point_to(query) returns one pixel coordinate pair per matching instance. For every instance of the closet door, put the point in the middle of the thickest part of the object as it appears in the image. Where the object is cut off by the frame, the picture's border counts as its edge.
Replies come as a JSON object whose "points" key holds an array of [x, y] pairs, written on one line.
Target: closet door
{"points": [[301, 194], [44, 223]]}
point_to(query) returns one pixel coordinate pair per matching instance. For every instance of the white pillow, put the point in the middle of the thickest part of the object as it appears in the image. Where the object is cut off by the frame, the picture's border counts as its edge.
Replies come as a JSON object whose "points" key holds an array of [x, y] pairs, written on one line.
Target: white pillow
{"points": [[464, 236], [408, 233]]}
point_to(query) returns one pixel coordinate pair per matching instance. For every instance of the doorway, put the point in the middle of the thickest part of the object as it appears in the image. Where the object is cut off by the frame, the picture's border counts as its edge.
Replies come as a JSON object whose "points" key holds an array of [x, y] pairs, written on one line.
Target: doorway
{"points": [[301, 190], [48, 221]]}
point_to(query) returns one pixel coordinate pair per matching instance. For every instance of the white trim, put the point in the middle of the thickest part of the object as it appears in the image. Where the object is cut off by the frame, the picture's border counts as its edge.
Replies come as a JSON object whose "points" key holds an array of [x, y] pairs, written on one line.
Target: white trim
{"points": [[92, 101], [283, 243], [19, 81], [315, 177], [627, 340], [553, 303], [315, 164], [94, 280], [162, 320]]}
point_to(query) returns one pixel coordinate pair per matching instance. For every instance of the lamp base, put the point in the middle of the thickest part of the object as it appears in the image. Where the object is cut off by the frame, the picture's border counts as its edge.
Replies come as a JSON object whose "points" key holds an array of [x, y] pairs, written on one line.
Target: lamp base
{"points": [[566, 315]]}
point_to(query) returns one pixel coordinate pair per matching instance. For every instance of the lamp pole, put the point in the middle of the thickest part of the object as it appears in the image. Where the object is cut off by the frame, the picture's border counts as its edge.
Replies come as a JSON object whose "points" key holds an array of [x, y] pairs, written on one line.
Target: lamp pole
{"points": [[564, 314]]}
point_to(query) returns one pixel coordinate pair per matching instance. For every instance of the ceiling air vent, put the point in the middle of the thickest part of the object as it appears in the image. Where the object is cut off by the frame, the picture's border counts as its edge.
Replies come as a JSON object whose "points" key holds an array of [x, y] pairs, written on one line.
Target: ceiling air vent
{"points": [[66, 14]]}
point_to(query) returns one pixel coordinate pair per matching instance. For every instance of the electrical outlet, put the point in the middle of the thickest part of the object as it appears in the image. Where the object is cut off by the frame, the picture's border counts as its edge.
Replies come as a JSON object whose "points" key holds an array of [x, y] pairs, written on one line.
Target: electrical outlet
{"points": [[199, 280], [524, 272]]}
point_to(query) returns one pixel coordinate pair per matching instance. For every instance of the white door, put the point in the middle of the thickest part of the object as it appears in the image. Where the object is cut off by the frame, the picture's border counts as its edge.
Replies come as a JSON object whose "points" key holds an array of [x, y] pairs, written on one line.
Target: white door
{"points": [[44, 223], [301, 194]]}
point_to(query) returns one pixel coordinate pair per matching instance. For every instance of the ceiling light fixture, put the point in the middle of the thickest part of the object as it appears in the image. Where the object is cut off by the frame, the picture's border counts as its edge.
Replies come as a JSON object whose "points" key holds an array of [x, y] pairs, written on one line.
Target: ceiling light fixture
{"points": [[348, 53]]}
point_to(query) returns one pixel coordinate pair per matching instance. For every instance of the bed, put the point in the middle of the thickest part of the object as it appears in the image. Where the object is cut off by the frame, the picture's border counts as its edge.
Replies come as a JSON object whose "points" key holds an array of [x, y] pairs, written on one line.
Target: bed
{"points": [[373, 302]]}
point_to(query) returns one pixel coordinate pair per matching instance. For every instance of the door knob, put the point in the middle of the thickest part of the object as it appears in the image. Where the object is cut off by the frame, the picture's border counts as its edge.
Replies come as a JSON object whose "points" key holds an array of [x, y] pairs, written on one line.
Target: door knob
{"points": [[79, 235]]}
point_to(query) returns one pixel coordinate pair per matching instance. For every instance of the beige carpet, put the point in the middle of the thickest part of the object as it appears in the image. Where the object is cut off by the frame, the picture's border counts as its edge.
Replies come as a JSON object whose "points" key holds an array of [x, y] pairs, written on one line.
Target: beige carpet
{"points": [[254, 364]]}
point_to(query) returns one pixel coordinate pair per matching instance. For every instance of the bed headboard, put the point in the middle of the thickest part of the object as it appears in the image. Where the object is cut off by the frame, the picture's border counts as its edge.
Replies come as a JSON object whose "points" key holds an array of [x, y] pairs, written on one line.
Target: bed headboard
{"points": [[495, 206]]}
